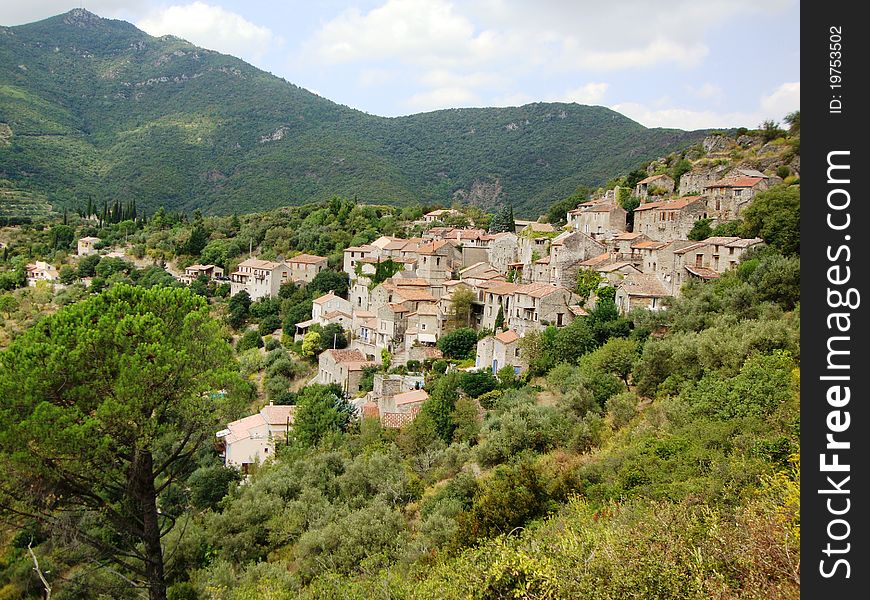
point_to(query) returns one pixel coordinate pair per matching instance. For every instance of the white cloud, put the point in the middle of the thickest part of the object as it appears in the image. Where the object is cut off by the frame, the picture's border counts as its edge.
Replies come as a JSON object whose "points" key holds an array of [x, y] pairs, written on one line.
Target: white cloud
{"points": [[212, 27], [706, 91], [415, 31], [785, 99], [591, 93], [376, 77], [443, 78]]}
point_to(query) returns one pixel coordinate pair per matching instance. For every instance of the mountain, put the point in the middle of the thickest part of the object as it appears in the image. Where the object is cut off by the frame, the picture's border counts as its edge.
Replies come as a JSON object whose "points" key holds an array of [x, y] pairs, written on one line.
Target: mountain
{"points": [[93, 108]]}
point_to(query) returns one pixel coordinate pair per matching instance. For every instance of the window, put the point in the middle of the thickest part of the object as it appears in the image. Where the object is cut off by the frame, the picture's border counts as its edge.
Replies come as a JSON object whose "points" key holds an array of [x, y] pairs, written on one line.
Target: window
{"points": [[517, 352], [559, 319], [423, 326]]}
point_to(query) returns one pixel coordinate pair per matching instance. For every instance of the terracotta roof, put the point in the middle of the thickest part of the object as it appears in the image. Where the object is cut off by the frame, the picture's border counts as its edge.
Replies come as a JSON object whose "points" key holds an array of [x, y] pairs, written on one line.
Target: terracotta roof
{"points": [[411, 397], [363, 314], [578, 310], [669, 204], [652, 178], [543, 261], [643, 284], [346, 356], [335, 313], [702, 272], [500, 288], [507, 337], [364, 248], [627, 235], [410, 281], [278, 414], [326, 298], [729, 182], [650, 245], [308, 259], [596, 260], [89, 239], [256, 263], [442, 211], [538, 290], [397, 308], [432, 247], [415, 294]]}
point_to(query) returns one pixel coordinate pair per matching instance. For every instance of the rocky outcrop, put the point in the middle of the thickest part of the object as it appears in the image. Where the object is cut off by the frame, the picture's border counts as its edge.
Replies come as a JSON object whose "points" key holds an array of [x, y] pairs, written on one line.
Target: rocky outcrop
{"points": [[482, 193], [276, 135], [717, 143], [5, 135]]}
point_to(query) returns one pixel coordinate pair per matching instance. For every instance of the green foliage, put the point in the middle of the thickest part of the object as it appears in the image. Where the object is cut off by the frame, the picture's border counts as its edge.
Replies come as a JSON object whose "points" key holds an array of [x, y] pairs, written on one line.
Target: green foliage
{"points": [[321, 409], [499, 319], [209, 485], [701, 230], [475, 383], [328, 280], [775, 216], [112, 395], [311, 344], [441, 405], [587, 282], [503, 220], [459, 343], [250, 339]]}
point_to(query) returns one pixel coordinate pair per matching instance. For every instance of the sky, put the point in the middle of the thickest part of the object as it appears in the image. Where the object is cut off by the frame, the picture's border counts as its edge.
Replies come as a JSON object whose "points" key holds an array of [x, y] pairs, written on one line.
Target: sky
{"points": [[688, 64]]}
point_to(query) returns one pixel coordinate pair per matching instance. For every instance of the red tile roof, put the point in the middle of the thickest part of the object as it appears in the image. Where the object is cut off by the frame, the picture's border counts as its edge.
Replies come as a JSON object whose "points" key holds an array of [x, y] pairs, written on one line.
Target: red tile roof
{"points": [[308, 259], [507, 337], [652, 178]]}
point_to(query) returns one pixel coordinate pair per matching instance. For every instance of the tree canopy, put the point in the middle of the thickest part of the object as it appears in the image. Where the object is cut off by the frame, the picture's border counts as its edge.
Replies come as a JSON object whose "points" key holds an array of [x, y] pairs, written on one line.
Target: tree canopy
{"points": [[104, 404]]}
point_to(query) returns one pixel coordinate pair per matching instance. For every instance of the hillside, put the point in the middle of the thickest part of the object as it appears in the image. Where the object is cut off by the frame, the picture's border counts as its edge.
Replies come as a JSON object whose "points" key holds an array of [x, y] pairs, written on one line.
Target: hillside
{"points": [[95, 108]]}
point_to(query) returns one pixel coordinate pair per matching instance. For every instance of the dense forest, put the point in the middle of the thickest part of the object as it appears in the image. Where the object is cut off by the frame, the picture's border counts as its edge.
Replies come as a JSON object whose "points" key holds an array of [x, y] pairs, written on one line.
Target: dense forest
{"points": [[94, 110]]}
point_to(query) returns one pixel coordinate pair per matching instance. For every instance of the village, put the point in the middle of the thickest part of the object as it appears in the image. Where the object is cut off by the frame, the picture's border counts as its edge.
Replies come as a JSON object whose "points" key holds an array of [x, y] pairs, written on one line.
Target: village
{"points": [[517, 282], [403, 291]]}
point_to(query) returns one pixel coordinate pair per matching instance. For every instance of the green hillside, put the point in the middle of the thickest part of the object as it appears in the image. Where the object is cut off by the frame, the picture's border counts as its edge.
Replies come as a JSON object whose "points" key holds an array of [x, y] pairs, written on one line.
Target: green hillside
{"points": [[95, 108]]}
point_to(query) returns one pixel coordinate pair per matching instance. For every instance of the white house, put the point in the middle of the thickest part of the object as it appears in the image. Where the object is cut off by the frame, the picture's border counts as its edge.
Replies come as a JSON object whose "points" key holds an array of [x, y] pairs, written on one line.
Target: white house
{"points": [[252, 439], [260, 278], [88, 245]]}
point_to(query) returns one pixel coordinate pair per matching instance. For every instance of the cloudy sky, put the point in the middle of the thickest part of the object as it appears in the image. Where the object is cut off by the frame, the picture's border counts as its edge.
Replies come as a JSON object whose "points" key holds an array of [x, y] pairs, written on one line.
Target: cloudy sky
{"points": [[669, 63]]}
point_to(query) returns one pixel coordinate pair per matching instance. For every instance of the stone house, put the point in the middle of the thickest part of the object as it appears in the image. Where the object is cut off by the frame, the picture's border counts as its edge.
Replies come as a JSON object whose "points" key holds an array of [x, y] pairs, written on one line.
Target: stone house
{"points": [[534, 306], [392, 323], [344, 367], [598, 219], [87, 245], [260, 278], [620, 246], [437, 259], [364, 333], [352, 254], [567, 251], [496, 295], [664, 184], [615, 272], [424, 326], [640, 290], [304, 267], [252, 439], [328, 308], [502, 250], [670, 219], [497, 351], [727, 197]]}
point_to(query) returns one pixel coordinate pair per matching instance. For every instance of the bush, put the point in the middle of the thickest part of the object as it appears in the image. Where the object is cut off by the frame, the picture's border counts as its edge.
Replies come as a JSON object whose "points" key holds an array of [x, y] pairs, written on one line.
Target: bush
{"points": [[250, 339], [459, 343], [269, 324], [475, 383]]}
